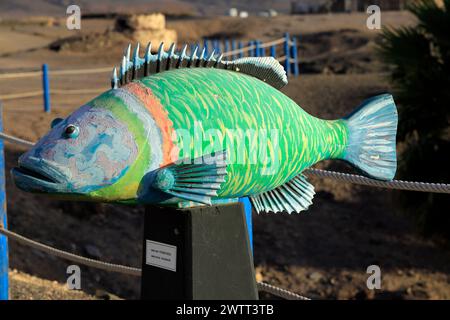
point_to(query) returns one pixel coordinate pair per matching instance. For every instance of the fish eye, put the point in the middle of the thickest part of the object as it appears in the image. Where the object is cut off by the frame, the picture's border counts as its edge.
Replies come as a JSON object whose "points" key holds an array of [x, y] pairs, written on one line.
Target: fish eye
{"points": [[71, 131], [55, 122]]}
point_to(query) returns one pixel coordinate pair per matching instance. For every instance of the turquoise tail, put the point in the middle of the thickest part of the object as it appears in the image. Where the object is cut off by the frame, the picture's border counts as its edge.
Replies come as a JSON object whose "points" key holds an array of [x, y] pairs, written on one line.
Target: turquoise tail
{"points": [[372, 137]]}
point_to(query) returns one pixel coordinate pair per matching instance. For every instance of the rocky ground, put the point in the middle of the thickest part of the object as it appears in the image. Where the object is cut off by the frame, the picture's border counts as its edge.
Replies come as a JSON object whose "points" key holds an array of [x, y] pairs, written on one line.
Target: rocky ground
{"points": [[323, 253]]}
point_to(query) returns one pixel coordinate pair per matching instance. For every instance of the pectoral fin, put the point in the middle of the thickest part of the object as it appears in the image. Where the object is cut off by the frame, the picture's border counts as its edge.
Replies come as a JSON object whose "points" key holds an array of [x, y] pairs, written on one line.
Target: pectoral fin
{"points": [[293, 196], [197, 181]]}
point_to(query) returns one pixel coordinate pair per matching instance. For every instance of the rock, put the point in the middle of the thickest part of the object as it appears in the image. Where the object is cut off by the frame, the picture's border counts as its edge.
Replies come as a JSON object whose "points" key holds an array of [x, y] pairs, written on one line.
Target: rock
{"points": [[146, 28], [315, 276], [155, 21], [259, 277], [104, 295], [93, 251]]}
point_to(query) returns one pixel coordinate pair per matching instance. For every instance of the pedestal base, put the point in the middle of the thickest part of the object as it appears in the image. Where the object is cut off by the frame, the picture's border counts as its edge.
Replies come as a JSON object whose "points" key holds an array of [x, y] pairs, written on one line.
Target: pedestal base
{"points": [[197, 253]]}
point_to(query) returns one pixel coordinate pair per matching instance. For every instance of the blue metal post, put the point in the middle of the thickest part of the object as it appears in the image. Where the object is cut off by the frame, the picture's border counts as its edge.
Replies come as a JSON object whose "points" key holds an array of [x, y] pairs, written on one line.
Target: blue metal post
{"points": [[4, 285], [248, 217], [46, 87], [240, 46], [226, 47], [294, 57], [217, 45], [286, 53], [233, 47], [262, 50], [273, 51], [257, 48], [251, 51]]}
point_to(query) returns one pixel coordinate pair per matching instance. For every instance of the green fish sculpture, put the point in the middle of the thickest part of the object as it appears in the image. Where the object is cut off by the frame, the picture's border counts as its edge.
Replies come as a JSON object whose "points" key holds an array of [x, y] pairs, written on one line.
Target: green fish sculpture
{"points": [[185, 130]]}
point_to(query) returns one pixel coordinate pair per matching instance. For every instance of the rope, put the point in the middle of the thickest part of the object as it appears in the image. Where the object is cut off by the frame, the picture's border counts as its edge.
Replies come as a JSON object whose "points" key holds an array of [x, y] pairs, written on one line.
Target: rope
{"points": [[272, 43], [234, 52], [53, 91], [394, 184], [132, 271], [77, 91], [20, 75], [79, 71], [338, 176], [279, 292], [70, 256], [21, 95], [22, 142], [54, 73]]}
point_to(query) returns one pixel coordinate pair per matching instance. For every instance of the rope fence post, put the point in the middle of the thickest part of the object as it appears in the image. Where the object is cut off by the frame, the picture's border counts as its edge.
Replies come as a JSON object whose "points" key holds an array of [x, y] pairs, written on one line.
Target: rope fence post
{"points": [[216, 45], [4, 282], [295, 70], [262, 51], [233, 48], [225, 45], [273, 51], [286, 53], [240, 46], [46, 87]]}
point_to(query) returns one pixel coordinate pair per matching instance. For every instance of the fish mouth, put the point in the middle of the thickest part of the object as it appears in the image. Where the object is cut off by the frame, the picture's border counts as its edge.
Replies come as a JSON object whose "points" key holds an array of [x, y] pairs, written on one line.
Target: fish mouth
{"points": [[30, 173], [36, 175]]}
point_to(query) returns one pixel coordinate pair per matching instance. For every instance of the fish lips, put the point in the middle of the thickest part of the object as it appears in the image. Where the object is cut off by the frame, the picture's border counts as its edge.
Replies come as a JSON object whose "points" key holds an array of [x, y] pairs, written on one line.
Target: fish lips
{"points": [[38, 175]]}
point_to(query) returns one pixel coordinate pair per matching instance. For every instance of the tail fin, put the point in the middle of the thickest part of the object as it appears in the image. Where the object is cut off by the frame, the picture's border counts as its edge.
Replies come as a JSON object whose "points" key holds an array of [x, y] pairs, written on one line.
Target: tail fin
{"points": [[372, 130]]}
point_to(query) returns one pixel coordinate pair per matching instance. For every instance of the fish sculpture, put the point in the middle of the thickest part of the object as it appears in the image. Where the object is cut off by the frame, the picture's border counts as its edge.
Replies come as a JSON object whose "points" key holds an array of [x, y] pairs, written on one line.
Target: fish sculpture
{"points": [[185, 130]]}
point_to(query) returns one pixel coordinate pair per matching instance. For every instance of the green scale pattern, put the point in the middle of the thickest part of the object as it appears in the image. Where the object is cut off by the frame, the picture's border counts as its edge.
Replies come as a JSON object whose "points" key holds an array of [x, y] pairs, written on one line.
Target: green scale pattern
{"points": [[226, 100]]}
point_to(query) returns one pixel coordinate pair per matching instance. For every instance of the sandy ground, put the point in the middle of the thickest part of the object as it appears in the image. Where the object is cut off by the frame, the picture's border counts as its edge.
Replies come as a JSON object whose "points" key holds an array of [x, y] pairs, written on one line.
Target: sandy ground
{"points": [[323, 253], [26, 287]]}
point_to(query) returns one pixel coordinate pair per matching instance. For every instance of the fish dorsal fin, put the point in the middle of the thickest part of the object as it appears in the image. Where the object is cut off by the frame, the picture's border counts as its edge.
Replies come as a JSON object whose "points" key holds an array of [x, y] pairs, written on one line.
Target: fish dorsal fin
{"points": [[132, 66], [293, 196], [196, 180]]}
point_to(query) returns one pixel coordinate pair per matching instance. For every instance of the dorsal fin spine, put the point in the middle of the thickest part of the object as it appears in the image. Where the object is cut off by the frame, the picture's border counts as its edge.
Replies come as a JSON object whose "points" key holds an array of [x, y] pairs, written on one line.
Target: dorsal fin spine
{"points": [[170, 56], [192, 57], [182, 56], [135, 61], [266, 69], [114, 79], [148, 55], [158, 60]]}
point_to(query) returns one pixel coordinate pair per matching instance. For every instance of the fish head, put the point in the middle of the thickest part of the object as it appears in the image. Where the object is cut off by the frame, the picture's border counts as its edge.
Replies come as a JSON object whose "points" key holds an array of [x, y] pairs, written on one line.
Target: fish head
{"points": [[86, 152]]}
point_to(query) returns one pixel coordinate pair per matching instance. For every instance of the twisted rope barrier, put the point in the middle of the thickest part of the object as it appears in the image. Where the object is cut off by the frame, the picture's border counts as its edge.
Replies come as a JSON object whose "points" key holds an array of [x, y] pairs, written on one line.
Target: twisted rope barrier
{"points": [[118, 268], [338, 176], [394, 184], [70, 256], [13, 139]]}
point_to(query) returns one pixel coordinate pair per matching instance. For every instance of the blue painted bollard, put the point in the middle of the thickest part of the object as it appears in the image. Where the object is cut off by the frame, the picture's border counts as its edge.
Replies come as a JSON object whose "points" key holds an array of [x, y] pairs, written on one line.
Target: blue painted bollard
{"points": [[286, 53], [3, 223], [46, 87]]}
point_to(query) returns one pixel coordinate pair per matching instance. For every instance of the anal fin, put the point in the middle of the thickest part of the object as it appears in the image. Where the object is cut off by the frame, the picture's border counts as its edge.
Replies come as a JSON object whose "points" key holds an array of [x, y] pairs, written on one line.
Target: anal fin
{"points": [[293, 196]]}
